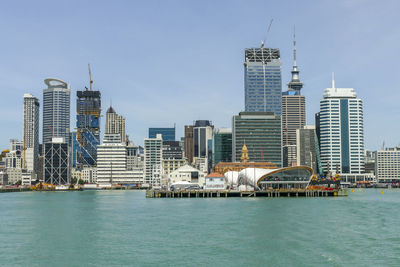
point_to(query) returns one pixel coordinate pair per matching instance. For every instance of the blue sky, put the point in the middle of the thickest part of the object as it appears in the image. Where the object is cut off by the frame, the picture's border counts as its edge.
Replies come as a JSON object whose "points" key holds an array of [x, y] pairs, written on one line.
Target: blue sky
{"points": [[166, 62]]}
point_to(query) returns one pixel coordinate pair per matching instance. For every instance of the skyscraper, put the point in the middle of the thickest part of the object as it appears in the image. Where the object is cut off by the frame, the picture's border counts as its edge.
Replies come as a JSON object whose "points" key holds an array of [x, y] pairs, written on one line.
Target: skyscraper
{"points": [[56, 162], [308, 149], [262, 80], [31, 132], [152, 160], [342, 131], [88, 112], [189, 143], [56, 110], [222, 145], [262, 135], [115, 124]]}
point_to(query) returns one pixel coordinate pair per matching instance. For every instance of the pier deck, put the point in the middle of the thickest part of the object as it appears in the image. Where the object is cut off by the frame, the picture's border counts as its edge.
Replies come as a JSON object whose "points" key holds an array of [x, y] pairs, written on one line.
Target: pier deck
{"points": [[233, 193]]}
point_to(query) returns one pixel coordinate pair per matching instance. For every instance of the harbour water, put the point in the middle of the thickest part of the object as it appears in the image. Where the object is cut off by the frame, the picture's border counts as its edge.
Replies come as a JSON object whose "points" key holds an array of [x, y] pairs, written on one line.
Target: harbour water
{"points": [[113, 228]]}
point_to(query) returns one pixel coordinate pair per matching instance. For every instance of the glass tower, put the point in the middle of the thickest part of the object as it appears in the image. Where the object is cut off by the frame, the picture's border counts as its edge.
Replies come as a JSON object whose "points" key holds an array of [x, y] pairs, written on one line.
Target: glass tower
{"points": [[263, 80], [168, 134]]}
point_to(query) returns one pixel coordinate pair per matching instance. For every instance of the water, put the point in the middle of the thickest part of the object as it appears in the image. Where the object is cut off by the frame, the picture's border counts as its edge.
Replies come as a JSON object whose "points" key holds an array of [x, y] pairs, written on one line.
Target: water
{"points": [[114, 228]]}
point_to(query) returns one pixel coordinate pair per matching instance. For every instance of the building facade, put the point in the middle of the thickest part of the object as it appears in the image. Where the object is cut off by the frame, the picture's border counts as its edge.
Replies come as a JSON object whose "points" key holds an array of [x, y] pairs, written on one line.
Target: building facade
{"points": [[342, 131], [88, 113], [387, 165], [31, 132], [56, 162], [168, 134], [261, 133], [308, 149], [263, 80], [153, 159], [189, 143], [115, 124], [222, 142], [56, 110]]}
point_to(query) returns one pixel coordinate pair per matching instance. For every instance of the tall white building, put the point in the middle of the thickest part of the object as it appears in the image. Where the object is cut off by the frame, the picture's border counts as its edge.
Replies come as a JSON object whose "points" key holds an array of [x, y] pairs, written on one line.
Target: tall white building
{"points": [[152, 158], [341, 131], [387, 165], [115, 124], [112, 162], [31, 132]]}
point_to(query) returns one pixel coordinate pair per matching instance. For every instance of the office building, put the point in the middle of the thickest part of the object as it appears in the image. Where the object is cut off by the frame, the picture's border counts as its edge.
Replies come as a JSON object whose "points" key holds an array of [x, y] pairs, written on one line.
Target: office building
{"points": [[56, 110], [387, 168], [153, 160], [57, 162], [88, 113], [289, 156], [307, 149], [168, 134], [262, 80], [189, 153], [31, 132], [115, 124], [222, 145], [342, 131], [261, 133]]}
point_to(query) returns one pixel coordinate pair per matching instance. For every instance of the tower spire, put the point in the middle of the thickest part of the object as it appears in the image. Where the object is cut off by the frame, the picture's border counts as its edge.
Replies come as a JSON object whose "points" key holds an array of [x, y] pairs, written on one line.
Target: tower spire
{"points": [[295, 84]]}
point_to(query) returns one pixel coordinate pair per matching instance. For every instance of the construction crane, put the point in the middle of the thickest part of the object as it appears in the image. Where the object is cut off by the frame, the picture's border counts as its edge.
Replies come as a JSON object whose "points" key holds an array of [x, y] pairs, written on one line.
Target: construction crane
{"points": [[266, 33], [90, 77]]}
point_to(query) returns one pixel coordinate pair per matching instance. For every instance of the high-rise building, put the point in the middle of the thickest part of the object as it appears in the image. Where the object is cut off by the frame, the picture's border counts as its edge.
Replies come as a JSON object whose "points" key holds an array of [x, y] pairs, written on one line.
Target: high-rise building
{"points": [[387, 165], [222, 145], [308, 149], [31, 132], [293, 111], [153, 160], [189, 143], [57, 169], [56, 110], [342, 131], [172, 156], [168, 134], [202, 143], [262, 80], [88, 112], [115, 124], [261, 133]]}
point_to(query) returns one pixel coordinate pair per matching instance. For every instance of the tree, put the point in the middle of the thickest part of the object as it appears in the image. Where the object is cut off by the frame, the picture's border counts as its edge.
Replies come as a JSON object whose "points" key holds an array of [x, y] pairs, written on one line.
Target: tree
{"points": [[19, 182], [74, 180], [81, 182]]}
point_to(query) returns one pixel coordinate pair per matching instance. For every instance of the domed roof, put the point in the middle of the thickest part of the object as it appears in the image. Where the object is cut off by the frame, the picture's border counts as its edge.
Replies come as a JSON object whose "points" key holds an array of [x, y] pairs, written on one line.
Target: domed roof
{"points": [[110, 110]]}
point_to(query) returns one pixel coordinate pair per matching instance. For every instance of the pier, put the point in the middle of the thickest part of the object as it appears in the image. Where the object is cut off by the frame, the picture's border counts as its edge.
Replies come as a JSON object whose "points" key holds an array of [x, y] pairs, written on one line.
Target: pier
{"points": [[234, 193]]}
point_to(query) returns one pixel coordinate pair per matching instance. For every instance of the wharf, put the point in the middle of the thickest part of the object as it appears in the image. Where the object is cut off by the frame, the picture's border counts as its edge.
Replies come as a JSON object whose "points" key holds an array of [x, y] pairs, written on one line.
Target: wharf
{"points": [[233, 193], [21, 189]]}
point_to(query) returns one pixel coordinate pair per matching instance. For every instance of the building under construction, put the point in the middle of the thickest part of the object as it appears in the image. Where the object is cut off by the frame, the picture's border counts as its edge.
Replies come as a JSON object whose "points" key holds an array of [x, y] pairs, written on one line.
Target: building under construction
{"points": [[88, 110]]}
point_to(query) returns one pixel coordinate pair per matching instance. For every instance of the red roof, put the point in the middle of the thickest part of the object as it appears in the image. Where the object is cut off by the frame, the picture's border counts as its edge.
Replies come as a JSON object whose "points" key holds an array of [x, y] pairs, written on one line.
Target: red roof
{"points": [[214, 175]]}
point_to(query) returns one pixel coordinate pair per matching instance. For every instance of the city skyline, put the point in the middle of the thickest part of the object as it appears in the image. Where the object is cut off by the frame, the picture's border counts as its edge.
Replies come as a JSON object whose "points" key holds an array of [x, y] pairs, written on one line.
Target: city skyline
{"points": [[319, 52]]}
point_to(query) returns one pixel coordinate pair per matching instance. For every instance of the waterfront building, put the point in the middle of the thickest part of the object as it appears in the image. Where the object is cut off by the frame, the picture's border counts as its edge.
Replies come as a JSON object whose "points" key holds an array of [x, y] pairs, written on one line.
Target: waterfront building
{"points": [[89, 175], [168, 134], [342, 131], [370, 157], [115, 124], [189, 143], [14, 159], [222, 143], [308, 149], [172, 156], [14, 175], [187, 173], [3, 177], [135, 156], [31, 132], [27, 177], [293, 113], [202, 141], [56, 162], [387, 168], [76, 174], [112, 162], [169, 165], [215, 181], [263, 80], [88, 113], [152, 159], [56, 110], [261, 132]]}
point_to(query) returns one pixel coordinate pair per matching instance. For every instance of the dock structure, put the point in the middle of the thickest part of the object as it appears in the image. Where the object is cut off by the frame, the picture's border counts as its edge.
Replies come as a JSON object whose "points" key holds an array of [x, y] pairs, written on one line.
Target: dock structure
{"points": [[234, 193]]}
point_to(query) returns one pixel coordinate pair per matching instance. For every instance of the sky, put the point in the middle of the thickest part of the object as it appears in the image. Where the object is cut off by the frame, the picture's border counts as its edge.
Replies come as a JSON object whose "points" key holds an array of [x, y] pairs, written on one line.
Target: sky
{"points": [[162, 63]]}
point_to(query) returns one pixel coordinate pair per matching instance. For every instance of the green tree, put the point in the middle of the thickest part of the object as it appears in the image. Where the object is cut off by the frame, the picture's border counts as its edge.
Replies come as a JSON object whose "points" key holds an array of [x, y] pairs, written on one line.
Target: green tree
{"points": [[19, 182], [74, 180], [81, 182]]}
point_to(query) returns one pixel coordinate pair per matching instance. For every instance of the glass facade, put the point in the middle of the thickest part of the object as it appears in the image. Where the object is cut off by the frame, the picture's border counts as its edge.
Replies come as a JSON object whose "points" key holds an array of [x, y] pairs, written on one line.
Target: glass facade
{"points": [[263, 80], [168, 134], [222, 147]]}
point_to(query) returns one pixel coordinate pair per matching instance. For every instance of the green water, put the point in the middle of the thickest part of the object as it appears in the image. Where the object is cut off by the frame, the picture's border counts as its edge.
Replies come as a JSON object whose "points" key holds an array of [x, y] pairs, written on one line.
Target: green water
{"points": [[114, 228]]}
